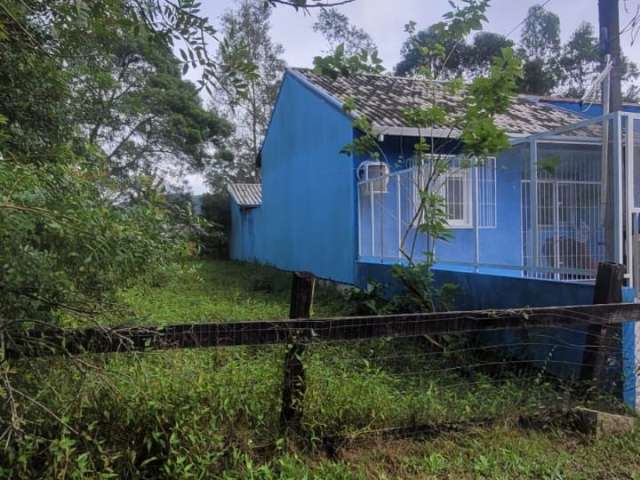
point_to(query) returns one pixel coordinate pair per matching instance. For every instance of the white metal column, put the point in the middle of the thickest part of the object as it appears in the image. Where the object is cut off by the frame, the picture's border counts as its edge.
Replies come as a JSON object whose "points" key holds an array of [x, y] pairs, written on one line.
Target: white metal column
{"points": [[476, 216], [618, 191], [630, 202], [533, 200], [399, 214]]}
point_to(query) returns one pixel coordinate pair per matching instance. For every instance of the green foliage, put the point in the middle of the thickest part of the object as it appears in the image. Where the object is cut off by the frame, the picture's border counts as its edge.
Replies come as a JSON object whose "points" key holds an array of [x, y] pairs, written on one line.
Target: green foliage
{"points": [[548, 66], [215, 210], [221, 291], [213, 413], [487, 97], [549, 164], [580, 59], [131, 100], [337, 30], [484, 97], [540, 36], [64, 246], [340, 63], [69, 240], [441, 51], [412, 291], [540, 49], [365, 143], [419, 292], [246, 33]]}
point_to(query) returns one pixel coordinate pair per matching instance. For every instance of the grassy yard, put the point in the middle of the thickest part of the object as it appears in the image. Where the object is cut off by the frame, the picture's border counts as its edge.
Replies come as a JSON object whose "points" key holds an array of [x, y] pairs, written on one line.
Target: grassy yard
{"points": [[213, 413], [223, 291]]}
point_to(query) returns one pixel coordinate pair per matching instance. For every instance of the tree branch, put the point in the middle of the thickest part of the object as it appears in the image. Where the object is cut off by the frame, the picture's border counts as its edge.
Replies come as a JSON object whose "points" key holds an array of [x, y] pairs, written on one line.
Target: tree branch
{"points": [[128, 136], [304, 4]]}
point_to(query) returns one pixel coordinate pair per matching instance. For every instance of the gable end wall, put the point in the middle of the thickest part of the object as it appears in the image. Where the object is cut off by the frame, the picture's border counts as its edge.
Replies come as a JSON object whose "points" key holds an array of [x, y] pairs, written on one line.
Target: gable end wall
{"points": [[307, 221]]}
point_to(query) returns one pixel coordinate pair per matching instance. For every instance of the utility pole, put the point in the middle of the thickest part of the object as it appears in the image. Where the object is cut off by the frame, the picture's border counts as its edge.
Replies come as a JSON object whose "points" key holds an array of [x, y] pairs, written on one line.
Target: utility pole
{"points": [[609, 18]]}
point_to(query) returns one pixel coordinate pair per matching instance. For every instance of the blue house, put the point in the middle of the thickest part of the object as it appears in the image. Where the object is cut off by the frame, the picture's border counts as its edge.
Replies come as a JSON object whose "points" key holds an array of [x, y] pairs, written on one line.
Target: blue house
{"points": [[340, 217], [527, 226]]}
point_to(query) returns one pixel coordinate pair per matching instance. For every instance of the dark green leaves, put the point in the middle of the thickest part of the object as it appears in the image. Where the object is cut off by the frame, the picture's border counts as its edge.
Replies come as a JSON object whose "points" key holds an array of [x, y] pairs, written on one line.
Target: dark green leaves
{"points": [[339, 63]]}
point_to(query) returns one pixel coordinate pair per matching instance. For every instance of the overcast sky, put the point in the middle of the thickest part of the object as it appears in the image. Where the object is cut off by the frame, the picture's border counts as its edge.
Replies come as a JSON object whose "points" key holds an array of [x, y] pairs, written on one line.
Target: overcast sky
{"points": [[384, 20]]}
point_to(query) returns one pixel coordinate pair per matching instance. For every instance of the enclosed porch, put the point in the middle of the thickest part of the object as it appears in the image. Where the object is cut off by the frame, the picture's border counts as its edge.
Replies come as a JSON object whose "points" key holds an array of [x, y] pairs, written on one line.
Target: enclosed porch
{"points": [[552, 206]]}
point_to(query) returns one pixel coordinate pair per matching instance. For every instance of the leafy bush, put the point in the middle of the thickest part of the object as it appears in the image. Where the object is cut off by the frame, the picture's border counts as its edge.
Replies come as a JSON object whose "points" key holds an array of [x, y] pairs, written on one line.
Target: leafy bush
{"points": [[65, 246], [414, 291]]}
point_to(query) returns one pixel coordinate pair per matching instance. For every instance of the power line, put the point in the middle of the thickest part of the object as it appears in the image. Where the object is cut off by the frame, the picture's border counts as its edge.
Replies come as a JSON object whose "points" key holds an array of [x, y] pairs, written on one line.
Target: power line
{"points": [[544, 4]]}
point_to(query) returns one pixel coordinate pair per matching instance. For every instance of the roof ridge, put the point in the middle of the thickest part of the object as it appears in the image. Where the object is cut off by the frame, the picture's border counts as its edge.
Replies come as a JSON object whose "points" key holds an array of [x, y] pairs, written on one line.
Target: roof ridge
{"points": [[377, 75], [383, 99]]}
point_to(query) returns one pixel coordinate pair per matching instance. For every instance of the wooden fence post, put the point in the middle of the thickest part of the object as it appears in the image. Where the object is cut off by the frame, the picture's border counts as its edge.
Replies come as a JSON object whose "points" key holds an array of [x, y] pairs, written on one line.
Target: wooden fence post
{"points": [[608, 289], [302, 289]]}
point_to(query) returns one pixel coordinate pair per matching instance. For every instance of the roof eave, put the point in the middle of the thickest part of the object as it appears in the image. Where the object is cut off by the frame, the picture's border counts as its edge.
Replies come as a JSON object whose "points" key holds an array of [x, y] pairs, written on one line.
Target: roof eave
{"points": [[430, 132]]}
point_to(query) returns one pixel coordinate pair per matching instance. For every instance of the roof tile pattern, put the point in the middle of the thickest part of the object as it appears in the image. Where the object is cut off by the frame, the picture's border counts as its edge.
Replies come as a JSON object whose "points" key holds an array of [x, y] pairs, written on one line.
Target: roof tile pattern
{"points": [[383, 99], [246, 195]]}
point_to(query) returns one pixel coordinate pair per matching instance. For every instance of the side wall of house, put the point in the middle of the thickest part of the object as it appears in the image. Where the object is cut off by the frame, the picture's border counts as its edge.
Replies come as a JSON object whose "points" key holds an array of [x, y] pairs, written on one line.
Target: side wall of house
{"points": [[235, 238], [307, 221], [242, 244]]}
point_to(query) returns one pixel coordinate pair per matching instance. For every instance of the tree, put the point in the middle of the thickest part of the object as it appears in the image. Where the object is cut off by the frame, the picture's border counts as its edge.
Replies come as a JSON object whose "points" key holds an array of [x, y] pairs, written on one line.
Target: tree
{"points": [[420, 50], [485, 96], [484, 48], [463, 59], [580, 60], [246, 32], [134, 105], [337, 30], [351, 49], [65, 244], [540, 48], [540, 36]]}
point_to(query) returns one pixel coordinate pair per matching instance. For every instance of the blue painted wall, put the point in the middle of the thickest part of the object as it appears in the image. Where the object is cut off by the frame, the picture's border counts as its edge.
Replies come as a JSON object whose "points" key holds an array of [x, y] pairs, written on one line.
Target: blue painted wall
{"points": [[501, 245], [557, 351], [478, 291], [235, 239], [307, 221], [242, 244]]}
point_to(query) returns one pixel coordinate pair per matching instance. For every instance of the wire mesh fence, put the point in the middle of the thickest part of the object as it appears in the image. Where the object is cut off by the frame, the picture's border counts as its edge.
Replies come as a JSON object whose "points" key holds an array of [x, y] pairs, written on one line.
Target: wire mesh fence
{"points": [[328, 382], [399, 374]]}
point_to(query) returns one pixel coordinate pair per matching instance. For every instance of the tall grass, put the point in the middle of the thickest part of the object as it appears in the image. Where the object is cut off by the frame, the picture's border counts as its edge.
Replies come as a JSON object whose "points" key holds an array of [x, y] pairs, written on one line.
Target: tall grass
{"points": [[213, 413]]}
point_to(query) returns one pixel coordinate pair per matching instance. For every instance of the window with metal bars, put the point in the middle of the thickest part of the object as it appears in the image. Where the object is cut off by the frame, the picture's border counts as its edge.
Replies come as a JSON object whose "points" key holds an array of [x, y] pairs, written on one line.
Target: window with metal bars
{"points": [[456, 186]]}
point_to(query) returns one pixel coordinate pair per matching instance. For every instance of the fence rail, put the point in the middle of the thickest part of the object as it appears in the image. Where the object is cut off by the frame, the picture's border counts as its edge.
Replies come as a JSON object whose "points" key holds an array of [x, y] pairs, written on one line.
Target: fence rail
{"points": [[111, 340]]}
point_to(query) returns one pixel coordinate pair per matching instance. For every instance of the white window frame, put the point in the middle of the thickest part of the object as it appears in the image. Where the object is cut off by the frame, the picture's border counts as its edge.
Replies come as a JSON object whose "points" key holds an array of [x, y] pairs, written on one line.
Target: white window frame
{"points": [[467, 197], [467, 192]]}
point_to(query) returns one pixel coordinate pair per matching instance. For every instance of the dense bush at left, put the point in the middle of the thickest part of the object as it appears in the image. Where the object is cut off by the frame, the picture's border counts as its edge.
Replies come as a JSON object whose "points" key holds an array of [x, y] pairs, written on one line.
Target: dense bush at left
{"points": [[93, 114]]}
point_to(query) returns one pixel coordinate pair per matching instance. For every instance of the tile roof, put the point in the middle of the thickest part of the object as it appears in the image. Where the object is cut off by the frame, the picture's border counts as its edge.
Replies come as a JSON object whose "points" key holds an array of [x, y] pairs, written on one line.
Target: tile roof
{"points": [[384, 98], [246, 195]]}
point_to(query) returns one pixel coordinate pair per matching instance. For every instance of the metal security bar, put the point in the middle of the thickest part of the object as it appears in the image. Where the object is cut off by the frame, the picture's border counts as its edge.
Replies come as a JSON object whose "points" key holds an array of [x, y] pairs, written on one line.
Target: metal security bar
{"points": [[494, 227], [388, 207]]}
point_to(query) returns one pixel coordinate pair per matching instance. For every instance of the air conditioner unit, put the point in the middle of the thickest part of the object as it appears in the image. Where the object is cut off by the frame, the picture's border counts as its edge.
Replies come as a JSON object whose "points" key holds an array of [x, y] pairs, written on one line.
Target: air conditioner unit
{"points": [[374, 176]]}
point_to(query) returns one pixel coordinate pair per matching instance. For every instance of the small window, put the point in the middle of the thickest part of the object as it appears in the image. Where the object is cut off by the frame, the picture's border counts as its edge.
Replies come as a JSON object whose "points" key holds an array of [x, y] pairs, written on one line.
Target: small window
{"points": [[456, 191], [374, 176], [455, 187]]}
